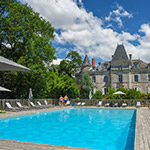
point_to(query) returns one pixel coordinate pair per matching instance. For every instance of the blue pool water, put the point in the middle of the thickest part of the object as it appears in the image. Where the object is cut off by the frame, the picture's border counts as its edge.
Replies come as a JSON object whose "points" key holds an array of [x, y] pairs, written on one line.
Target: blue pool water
{"points": [[105, 129]]}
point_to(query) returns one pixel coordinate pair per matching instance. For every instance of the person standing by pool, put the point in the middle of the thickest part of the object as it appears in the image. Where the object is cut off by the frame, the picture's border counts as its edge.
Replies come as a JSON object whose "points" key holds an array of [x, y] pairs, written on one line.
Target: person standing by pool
{"points": [[61, 100], [66, 99]]}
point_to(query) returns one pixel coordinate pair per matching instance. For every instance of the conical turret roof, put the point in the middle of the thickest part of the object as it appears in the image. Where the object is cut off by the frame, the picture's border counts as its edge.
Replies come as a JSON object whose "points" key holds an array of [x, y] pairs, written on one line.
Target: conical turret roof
{"points": [[120, 55], [86, 61]]}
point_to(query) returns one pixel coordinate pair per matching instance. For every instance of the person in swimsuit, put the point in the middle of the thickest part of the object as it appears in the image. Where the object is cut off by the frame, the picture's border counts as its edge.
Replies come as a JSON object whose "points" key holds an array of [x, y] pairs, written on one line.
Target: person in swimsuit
{"points": [[61, 100], [65, 99]]}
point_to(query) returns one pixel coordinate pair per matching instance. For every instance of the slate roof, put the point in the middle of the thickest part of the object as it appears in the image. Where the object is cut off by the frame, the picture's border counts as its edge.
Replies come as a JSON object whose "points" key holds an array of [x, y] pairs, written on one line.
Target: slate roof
{"points": [[86, 62], [120, 55]]}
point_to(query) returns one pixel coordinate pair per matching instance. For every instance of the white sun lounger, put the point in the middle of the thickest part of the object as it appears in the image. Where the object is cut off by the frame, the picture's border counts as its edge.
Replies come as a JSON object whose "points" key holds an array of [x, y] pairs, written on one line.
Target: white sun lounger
{"points": [[138, 104], [83, 103], [68, 103], [21, 106], [124, 105], [79, 104], [107, 105], [12, 108], [34, 106], [99, 103], [48, 105], [44, 106]]}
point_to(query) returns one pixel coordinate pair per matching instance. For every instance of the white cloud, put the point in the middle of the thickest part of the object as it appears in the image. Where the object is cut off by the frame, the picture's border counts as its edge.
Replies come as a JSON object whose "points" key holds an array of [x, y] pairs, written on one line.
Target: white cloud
{"points": [[117, 14], [56, 62], [85, 32]]}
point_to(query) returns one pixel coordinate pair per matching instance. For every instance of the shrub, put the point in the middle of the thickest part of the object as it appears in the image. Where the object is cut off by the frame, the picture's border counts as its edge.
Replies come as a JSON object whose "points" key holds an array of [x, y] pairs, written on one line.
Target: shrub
{"points": [[97, 95]]}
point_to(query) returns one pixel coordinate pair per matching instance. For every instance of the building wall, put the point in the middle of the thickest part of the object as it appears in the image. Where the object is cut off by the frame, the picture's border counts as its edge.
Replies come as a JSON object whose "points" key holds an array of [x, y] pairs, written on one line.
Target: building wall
{"points": [[128, 82]]}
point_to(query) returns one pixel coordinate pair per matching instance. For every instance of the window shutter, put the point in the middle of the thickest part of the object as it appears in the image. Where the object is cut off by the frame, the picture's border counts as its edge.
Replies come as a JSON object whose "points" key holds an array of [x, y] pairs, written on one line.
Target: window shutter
{"points": [[139, 78], [146, 77], [103, 91], [133, 79]]}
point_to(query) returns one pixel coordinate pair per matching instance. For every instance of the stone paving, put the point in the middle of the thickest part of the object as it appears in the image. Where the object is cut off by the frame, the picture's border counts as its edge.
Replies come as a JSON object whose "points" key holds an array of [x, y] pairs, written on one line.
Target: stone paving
{"points": [[142, 136]]}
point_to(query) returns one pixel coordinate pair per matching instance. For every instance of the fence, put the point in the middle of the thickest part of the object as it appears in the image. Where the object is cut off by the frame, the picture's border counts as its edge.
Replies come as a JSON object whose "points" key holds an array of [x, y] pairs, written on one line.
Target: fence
{"points": [[88, 102], [24, 102]]}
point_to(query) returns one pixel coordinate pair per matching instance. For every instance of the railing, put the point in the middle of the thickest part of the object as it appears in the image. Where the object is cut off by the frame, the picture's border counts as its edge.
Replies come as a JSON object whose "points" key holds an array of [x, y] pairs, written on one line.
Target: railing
{"points": [[88, 102]]}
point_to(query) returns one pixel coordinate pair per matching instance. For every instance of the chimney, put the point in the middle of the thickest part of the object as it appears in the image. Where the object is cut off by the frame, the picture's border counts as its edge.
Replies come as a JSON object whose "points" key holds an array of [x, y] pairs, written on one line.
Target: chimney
{"points": [[93, 62], [130, 56], [99, 63]]}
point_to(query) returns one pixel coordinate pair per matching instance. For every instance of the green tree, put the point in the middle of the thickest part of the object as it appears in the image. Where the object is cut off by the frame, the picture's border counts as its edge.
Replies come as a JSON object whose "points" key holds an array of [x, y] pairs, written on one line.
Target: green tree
{"points": [[61, 85], [70, 64], [25, 38], [86, 85], [97, 95]]}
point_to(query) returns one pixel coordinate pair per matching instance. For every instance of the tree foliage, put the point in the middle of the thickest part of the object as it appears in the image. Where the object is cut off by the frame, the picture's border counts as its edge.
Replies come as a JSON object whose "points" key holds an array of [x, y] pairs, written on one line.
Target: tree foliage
{"points": [[61, 85], [97, 95], [70, 64], [133, 94], [26, 38], [86, 85]]}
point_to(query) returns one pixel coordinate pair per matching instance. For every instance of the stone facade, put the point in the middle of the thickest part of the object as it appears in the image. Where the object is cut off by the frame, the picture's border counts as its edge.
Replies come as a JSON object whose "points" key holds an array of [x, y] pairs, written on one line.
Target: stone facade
{"points": [[121, 71]]}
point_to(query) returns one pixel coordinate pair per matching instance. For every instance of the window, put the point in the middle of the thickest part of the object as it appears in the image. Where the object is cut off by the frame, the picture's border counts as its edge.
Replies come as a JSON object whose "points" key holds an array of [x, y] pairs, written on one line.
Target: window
{"points": [[136, 78], [135, 65], [149, 77], [105, 66], [120, 68], [105, 91], [94, 79], [120, 78], [106, 79]]}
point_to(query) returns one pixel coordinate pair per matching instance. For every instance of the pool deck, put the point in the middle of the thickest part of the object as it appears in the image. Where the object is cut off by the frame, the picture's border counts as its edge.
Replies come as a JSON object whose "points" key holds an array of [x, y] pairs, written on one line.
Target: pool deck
{"points": [[142, 135]]}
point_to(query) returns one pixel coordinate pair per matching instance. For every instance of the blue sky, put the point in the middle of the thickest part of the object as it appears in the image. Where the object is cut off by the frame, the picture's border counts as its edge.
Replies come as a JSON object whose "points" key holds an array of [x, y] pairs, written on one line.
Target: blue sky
{"points": [[95, 27]]}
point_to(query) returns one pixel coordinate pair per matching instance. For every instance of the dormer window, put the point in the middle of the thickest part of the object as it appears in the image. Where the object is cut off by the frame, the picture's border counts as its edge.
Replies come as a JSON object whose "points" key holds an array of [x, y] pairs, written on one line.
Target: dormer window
{"points": [[105, 66]]}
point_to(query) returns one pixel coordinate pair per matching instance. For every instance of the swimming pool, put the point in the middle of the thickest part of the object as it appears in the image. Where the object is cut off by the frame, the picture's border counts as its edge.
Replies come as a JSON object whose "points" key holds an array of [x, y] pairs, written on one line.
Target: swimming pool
{"points": [[105, 129]]}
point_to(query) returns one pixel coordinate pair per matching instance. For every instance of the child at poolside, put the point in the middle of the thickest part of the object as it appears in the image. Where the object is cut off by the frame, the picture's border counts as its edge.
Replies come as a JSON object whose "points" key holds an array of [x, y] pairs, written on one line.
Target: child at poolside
{"points": [[65, 99]]}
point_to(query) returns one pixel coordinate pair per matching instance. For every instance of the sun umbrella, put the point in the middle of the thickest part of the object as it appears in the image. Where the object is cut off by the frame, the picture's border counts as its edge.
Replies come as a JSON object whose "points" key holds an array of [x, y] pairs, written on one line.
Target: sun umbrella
{"points": [[4, 89], [30, 94], [8, 65], [119, 92]]}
